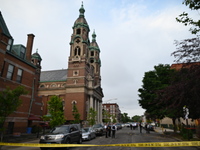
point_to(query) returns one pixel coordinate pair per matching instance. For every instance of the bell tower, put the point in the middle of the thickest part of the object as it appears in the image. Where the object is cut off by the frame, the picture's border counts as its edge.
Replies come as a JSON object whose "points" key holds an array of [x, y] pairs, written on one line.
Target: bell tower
{"points": [[78, 67]]}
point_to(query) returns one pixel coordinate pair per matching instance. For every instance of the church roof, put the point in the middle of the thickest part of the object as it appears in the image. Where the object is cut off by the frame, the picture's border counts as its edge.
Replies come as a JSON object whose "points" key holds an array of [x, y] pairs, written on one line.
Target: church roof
{"points": [[53, 75]]}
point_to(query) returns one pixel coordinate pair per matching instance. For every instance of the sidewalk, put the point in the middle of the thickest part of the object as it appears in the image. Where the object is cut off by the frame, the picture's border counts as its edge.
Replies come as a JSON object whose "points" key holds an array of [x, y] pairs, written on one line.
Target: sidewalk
{"points": [[24, 137]]}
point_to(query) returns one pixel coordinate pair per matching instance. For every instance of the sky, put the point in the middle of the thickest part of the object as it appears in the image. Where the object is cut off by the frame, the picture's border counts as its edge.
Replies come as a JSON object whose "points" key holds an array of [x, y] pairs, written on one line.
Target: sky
{"points": [[133, 37]]}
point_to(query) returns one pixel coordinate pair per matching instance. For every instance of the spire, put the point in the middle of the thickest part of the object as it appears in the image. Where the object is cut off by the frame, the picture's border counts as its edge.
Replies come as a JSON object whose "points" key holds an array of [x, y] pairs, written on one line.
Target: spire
{"points": [[81, 10], [94, 36]]}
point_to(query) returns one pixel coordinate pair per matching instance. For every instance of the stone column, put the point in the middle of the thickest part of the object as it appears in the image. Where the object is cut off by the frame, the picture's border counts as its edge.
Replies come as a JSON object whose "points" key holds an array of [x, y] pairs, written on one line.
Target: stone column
{"points": [[100, 112], [91, 102]]}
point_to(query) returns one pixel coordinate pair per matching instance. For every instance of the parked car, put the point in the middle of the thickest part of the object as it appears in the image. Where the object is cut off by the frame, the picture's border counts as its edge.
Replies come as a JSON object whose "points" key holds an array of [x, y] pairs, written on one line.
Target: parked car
{"points": [[64, 134], [99, 129], [151, 128], [119, 126], [88, 133]]}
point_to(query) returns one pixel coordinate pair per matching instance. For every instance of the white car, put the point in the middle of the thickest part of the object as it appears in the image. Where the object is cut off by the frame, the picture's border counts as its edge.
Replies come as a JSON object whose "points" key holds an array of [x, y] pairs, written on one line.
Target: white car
{"points": [[88, 133]]}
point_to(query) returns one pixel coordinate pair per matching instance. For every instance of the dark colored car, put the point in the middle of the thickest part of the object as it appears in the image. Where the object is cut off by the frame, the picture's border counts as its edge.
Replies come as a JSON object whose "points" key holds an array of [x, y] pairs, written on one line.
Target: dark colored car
{"points": [[99, 129], [151, 128], [64, 134]]}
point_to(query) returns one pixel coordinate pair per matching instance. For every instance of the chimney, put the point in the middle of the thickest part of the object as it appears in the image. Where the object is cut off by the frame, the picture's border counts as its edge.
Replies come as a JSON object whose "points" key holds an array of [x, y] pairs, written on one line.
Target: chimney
{"points": [[29, 46]]}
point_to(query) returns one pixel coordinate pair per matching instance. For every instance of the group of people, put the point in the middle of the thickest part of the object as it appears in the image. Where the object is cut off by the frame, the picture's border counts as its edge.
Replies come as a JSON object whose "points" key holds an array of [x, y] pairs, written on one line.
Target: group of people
{"points": [[110, 129]]}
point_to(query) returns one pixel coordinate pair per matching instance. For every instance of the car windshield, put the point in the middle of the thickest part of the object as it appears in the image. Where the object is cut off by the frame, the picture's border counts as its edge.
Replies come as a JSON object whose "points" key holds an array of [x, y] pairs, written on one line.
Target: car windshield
{"points": [[60, 129], [85, 130]]}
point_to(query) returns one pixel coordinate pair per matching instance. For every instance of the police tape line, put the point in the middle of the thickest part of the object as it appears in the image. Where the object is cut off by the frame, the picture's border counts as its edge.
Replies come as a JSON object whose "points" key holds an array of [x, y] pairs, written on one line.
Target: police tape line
{"points": [[156, 144]]}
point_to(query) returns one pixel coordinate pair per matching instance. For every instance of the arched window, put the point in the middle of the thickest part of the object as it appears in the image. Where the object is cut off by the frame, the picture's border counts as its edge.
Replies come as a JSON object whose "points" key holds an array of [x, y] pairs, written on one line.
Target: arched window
{"points": [[73, 104], [92, 53], [53, 85], [78, 31], [77, 51], [42, 86]]}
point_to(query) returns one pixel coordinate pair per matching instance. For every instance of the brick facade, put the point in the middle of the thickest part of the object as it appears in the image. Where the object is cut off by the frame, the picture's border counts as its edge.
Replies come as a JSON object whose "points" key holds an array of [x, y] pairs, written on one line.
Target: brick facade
{"points": [[26, 72]]}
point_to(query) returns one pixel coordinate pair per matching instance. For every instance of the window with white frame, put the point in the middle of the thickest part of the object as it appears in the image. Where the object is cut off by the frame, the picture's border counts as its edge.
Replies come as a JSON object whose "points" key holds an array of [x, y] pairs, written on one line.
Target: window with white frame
{"points": [[19, 75], [10, 72]]}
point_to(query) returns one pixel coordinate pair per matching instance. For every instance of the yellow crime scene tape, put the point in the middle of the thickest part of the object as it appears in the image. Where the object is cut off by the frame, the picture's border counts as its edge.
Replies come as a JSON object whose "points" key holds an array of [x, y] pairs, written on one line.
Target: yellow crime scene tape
{"points": [[156, 144]]}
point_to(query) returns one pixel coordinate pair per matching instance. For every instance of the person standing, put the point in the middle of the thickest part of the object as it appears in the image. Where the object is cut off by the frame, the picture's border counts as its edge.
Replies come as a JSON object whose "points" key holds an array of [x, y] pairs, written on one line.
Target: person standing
{"points": [[109, 130], [113, 128], [140, 127], [106, 129], [131, 126]]}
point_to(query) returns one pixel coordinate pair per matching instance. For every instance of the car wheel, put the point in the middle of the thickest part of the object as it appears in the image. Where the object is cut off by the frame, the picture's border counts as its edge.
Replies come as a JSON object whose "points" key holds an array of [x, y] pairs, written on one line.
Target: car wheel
{"points": [[67, 142], [94, 136], [80, 140]]}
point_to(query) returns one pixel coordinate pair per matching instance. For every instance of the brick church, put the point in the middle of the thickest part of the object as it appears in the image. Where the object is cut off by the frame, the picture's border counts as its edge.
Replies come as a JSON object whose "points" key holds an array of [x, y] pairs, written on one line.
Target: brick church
{"points": [[80, 84]]}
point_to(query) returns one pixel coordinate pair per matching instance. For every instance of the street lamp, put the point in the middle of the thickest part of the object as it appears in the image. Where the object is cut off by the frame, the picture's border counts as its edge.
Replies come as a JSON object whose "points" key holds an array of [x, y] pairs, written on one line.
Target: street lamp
{"points": [[110, 99]]}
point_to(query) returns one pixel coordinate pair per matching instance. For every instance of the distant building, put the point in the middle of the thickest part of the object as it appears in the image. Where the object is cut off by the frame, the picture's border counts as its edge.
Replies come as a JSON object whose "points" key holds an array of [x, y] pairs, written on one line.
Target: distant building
{"points": [[80, 84], [18, 66], [113, 110]]}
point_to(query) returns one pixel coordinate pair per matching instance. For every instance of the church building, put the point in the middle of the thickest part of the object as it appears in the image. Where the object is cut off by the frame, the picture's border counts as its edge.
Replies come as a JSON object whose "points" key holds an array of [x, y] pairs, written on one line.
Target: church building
{"points": [[80, 84]]}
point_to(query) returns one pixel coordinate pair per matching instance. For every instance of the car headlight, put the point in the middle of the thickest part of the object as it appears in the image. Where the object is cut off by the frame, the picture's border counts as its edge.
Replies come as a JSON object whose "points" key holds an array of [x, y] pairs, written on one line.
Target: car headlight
{"points": [[42, 137], [59, 136]]}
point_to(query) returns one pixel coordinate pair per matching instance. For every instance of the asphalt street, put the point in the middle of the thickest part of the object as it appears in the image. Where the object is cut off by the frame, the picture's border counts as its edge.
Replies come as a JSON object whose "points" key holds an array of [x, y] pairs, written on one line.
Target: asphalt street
{"points": [[124, 135]]}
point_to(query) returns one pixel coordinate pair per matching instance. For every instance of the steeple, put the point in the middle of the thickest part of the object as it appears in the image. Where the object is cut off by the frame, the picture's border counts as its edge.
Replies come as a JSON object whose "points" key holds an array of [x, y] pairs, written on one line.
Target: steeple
{"points": [[81, 10], [94, 36]]}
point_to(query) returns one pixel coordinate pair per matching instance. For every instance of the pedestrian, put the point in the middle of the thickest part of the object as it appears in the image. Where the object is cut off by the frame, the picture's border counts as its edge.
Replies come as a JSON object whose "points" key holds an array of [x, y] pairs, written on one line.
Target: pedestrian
{"points": [[131, 126], [113, 128], [148, 128], [109, 130], [106, 129], [140, 127]]}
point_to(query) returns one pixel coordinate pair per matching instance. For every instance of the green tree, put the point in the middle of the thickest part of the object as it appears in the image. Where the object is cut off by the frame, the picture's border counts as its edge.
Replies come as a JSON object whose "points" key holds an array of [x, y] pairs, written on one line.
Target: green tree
{"points": [[136, 118], [76, 114], [154, 81], [56, 111], [186, 20], [125, 118], [113, 119], [91, 117], [9, 102], [106, 116]]}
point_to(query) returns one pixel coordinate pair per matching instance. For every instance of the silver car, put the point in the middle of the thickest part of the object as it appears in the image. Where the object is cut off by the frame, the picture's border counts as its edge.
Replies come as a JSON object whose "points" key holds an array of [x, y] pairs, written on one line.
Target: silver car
{"points": [[88, 133]]}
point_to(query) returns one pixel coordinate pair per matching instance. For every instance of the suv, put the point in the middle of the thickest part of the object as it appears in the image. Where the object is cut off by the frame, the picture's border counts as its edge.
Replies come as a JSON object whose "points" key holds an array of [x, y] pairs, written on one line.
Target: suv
{"points": [[64, 134], [99, 129]]}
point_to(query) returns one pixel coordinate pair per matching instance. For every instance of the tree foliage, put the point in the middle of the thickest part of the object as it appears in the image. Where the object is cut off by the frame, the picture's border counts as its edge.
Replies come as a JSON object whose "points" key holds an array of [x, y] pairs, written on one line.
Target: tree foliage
{"points": [[76, 114], [184, 90], [188, 50], [106, 116], [92, 116], [186, 20], [125, 118], [56, 111], [9, 102], [154, 81], [136, 118]]}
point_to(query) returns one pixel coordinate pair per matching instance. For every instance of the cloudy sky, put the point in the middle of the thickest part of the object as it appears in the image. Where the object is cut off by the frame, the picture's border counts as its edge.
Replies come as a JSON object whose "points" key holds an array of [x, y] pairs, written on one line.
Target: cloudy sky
{"points": [[133, 36]]}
